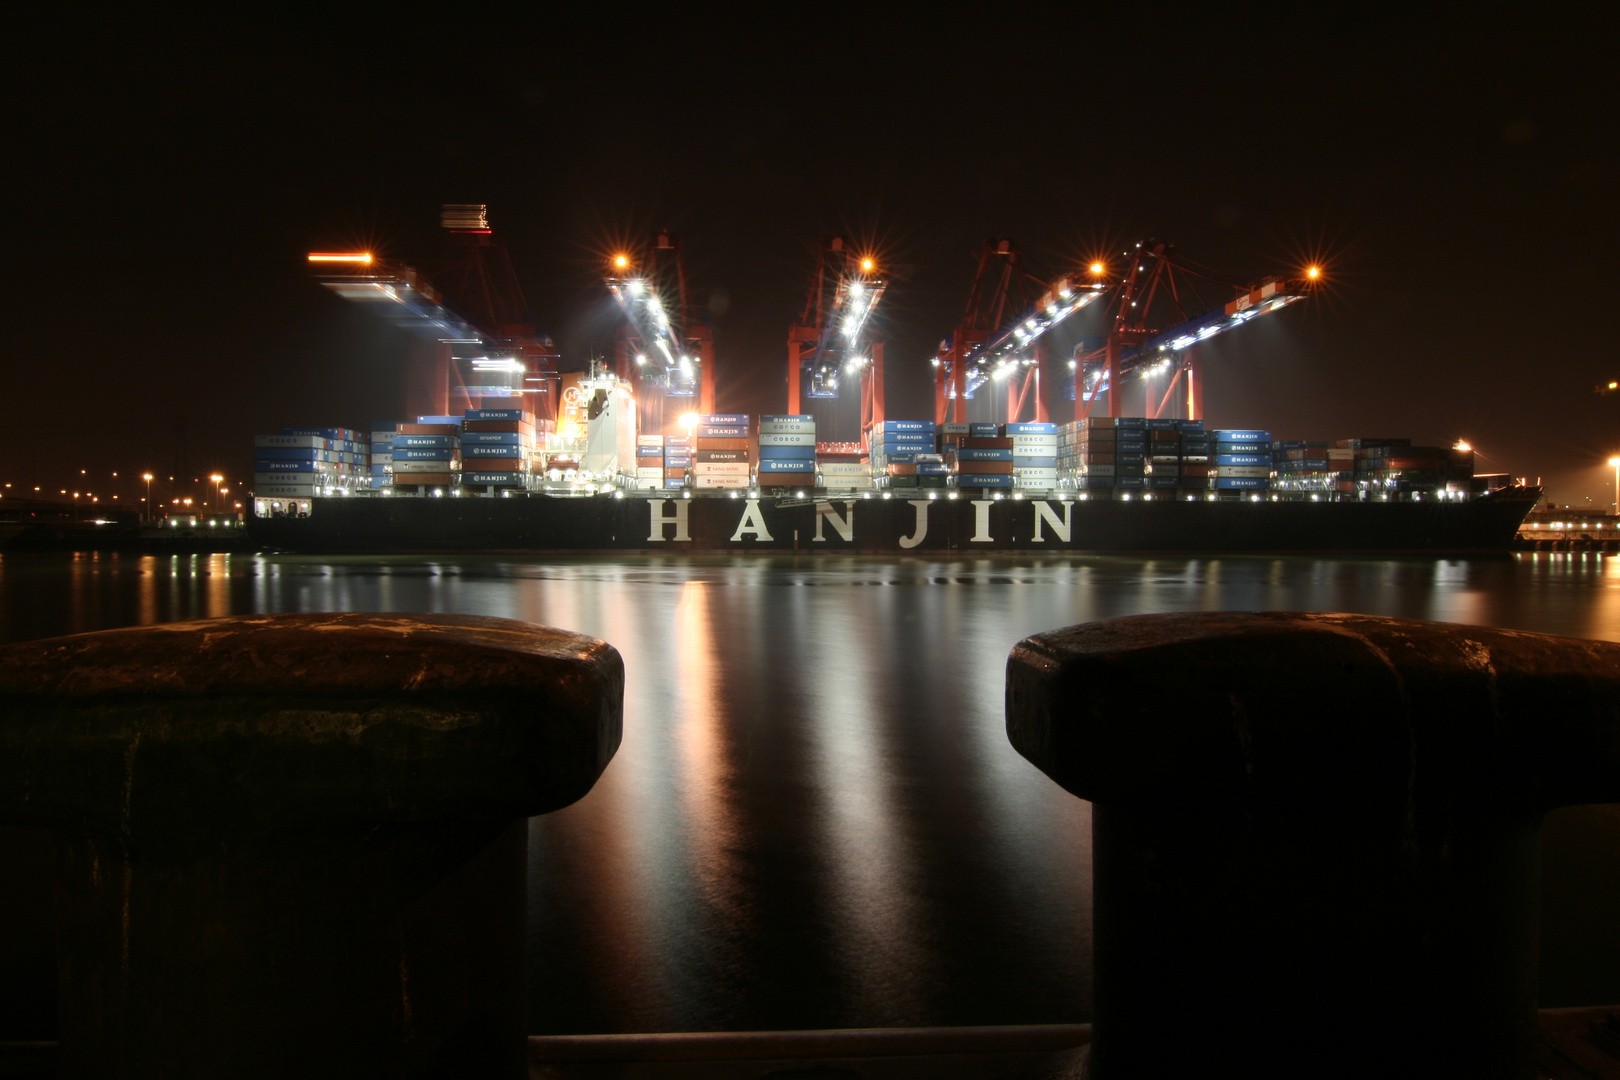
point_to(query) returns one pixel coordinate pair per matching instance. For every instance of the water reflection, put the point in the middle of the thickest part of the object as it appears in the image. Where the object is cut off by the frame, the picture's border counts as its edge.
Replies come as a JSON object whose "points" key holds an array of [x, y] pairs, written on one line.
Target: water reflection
{"points": [[815, 819]]}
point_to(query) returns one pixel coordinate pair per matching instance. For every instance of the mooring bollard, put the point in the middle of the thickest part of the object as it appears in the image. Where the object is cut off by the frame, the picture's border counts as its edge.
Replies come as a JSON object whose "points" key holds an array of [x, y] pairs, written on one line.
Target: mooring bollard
{"points": [[1315, 836], [294, 845]]}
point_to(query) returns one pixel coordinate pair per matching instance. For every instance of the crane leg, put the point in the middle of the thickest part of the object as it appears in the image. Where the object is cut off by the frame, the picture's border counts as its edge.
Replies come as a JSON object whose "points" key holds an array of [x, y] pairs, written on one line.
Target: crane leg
{"points": [[1195, 386], [1043, 379], [706, 380], [877, 382], [793, 378]]}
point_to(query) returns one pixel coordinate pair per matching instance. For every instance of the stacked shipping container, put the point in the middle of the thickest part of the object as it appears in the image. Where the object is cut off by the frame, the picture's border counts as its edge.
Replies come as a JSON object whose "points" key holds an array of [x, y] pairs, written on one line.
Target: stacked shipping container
{"points": [[649, 474], [1034, 457], [787, 451], [497, 448], [899, 449], [720, 456], [304, 462]]}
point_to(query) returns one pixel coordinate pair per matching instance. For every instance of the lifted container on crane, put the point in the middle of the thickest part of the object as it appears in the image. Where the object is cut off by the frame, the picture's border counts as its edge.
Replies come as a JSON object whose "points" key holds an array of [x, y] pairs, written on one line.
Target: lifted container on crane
{"points": [[485, 344]]}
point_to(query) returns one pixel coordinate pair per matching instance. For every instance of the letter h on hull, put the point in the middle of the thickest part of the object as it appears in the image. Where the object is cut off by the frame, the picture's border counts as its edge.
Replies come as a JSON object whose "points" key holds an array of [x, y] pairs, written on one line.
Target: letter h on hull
{"points": [[660, 519]]}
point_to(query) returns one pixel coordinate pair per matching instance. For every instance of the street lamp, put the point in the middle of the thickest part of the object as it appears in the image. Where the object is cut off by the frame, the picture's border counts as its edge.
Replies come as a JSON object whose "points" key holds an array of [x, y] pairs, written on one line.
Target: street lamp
{"points": [[218, 480], [1615, 461], [148, 478]]}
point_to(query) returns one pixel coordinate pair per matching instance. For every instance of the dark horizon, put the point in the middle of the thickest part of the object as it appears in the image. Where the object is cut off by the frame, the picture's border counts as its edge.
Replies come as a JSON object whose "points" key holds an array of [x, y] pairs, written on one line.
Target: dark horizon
{"points": [[1452, 176]]}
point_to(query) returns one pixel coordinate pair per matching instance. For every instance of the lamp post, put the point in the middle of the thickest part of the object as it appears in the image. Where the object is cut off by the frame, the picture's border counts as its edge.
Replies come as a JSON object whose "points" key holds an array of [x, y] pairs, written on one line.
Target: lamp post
{"points": [[1615, 461], [218, 480], [148, 478]]}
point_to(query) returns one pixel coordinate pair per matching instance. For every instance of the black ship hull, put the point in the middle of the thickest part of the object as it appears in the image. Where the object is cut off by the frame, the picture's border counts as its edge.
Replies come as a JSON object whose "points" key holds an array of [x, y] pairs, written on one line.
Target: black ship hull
{"points": [[898, 525]]}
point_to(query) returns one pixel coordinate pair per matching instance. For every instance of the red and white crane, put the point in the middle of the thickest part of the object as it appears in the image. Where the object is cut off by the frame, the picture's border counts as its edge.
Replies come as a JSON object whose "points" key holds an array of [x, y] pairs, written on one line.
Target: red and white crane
{"points": [[833, 341], [662, 347], [1158, 286], [991, 346]]}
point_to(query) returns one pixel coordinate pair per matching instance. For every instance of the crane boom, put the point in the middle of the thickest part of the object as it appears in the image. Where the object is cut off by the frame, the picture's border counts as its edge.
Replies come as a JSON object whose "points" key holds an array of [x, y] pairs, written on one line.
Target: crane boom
{"points": [[1272, 294]]}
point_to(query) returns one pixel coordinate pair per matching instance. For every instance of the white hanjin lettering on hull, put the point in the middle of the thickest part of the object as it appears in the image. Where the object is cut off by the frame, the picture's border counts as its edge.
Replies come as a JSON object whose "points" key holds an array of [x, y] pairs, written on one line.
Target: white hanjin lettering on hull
{"points": [[843, 526], [1060, 529], [981, 522], [659, 520], [921, 529], [752, 522]]}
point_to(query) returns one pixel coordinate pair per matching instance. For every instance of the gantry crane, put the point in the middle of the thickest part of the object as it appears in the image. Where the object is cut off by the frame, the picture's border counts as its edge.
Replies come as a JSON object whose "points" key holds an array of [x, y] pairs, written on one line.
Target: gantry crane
{"points": [[661, 346], [987, 346], [832, 338], [479, 328], [1158, 285]]}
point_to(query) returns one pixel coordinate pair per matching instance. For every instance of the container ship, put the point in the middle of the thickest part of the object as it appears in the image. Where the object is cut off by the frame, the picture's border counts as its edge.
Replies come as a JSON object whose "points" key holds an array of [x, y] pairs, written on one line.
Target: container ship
{"points": [[499, 480]]}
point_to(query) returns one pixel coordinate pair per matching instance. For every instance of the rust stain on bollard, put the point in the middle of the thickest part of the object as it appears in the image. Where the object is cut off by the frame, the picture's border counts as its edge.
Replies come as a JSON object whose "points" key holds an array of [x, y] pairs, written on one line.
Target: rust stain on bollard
{"points": [[1315, 835], [295, 844]]}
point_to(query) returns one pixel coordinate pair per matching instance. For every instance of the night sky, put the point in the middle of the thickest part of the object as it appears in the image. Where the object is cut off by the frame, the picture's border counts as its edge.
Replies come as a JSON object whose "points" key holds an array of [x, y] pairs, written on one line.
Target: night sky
{"points": [[1456, 172]]}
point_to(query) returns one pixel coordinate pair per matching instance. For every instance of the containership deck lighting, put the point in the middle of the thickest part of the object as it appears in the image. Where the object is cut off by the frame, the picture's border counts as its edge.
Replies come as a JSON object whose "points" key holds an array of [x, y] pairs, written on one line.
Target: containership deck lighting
{"points": [[361, 257]]}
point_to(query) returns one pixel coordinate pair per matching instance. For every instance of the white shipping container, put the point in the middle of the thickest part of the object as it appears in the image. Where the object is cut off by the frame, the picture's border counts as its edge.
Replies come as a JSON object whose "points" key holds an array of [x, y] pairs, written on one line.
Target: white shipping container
{"points": [[308, 478], [1034, 442], [644, 473], [1251, 472], [286, 491], [787, 427], [806, 438], [301, 442], [720, 468], [721, 481], [845, 468], [1035, 474], [427, 466]]}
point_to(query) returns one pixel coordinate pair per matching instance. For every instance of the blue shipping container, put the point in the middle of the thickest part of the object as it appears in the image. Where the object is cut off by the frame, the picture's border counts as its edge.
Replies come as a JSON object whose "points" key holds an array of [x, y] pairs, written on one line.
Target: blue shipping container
{"points": [[785, 453]]}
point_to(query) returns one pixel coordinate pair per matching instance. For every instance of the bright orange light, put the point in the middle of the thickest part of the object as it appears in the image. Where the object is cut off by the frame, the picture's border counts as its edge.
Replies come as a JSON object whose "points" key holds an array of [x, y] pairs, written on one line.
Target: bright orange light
{"points": [[1313, 272], [350, 257], [689, 421], [867, 265], [1462, 444], [1096, 268], [621, 261]]}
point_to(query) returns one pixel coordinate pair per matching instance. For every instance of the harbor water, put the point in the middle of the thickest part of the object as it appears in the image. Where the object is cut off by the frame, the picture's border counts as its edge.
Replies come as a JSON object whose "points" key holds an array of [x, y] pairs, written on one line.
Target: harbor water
{"points": [[815, 819]]}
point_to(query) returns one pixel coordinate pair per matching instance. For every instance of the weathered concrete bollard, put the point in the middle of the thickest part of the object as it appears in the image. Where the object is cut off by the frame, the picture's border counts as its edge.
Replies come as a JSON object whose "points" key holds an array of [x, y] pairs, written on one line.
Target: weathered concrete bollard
{"points": [[294, 845], [1315, 836]]}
